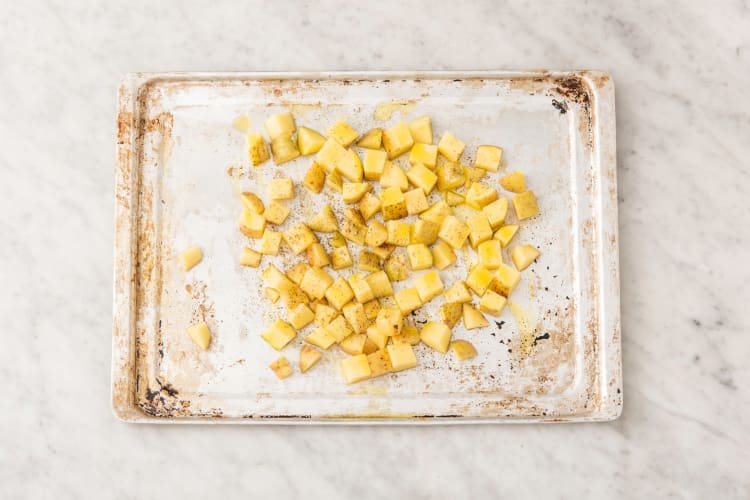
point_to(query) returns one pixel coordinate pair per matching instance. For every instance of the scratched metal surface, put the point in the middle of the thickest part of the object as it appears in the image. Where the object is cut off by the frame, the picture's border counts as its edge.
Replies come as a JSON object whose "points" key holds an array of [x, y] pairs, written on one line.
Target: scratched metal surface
{"points": [[180, 164]]}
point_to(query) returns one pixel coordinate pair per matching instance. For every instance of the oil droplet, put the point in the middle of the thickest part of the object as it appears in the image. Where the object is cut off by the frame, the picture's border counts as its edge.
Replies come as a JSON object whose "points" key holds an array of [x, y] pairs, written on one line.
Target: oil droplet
{"points": [[241, 123], [525, 321], [302, 110], [384, 111]]}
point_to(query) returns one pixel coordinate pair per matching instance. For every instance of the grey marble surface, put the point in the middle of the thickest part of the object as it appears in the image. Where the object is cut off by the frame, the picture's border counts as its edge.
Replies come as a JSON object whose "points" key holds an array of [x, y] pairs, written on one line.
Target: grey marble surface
{"points": [[683, 117]]}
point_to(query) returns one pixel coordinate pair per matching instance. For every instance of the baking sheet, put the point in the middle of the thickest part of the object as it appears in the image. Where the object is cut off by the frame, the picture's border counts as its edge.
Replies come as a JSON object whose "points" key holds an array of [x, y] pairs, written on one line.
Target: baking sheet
{"points": [[553, 355]]}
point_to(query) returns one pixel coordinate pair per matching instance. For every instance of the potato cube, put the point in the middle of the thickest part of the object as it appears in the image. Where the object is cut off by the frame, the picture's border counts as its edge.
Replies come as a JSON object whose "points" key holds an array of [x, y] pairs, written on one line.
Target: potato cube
{"points": [[496, 212], [492, 303], [339, 328], [369, 347], [429, 286], [284, 149], [463, 349], [270, 242], [454, 199], [250, 258], [355, 368], [420, 256], [525, 205], [252, 225], [490, 254], [399, 233], [339, 293], [505, 234], [394, 176], [275, 278], [280, 124], [343, 133], [354, 312], [479, 229], [321, 338], [377, 234], [251, 202], [292, 295], [374, 164], [479, 279], [299, 238], [451, 146], [379, 284], [473, 318], [371, 309], [369, 205], [436, 335], [276, 213], [389, 321], [505, 280], [472, 175], [380, 362], [424, 231], [257, 151], [421, 129], [377, 337], [515, 182], [281, 189], [350, 166], [334, 182], [315, 178], [352, 229], [354, 344], [422, 177], [437, 212], [409, 335], [309, 141], [324, 221], [301, 316], [360, 287], [368, 261], [402, 357], [397, 140], [453, 232], [383, 251], [450, 313], [457, 293], [200, 334], [191, 257], [341, 258], [337, 240], [331, 155], [297, 272], [271, 293], [324, 314], [317, 256], [279, 334], [393, 204], [315, 282], [442, 255], [478, 195], [523, 256], [308, 356], [423, 154], [395, 267], [372, 139], [281, 368], [407, 300], [450, 175], [488, 157]]}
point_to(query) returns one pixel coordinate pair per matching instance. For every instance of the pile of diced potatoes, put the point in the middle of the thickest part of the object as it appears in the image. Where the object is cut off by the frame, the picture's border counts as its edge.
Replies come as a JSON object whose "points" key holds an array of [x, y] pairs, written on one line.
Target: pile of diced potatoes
{"points": [[404, 222]]}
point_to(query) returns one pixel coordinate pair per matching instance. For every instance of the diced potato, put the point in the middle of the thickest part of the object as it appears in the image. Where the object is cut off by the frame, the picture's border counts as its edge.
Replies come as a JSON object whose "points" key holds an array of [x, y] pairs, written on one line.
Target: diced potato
{"points": [[292, 295], [352, 229], [409, 335], [369, 205], [453, 232], [325, 221], [457, 293], [281, 368], [251, 202], [331, 155], [301, 316], [478, 195], [284, 149], [429, 286], [377, 337], [379, 284], [399, 232], [371, 308], [450, 313], [275, 278], [395, 267], [422, 177], [490, 254], [377, 234], [473, 318], [436, 335], [424, 231], [479, 229], [420, 256], [343, 133], [337, 240], [479, 279], [523, 256], [339, 293], [389, 321], [250, 258], [321, 338], [416, 201], [341, 258], [397, 140], [309, 141], [350, 166], [383, 251], [402, 357], [374, 164], [368, 261], [393, 204], [270, 242], [354, 344], [472, 175], [191, 257], [492, 303], [437, 212], [299, 237], [488, 157], [450, 175], [297, 272], [339, 328], [424, 154], [276, 213], [355, 368], [407, 300], [463, 349], [308, 356], [372, 139], [354, 312], [271, 293], [279, 334], [252, 225], [442, 255], [496, 212], [317, 256], [200, 334], [505, 280], [525, 205], [315, 282], [451, 146], [281, 189], [515, 182], [421, 129], [334, 182], [324, 314], [315, 178], [394, 176], [369, 346], [505, 234], [380, 363], [453, 199], [280, 124], [360, 287], [257, 151]]}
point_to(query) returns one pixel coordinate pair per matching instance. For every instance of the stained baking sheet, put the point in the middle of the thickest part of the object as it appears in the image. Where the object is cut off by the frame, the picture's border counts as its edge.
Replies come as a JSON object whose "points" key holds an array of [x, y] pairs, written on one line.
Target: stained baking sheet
{"points": [[553, 354]]}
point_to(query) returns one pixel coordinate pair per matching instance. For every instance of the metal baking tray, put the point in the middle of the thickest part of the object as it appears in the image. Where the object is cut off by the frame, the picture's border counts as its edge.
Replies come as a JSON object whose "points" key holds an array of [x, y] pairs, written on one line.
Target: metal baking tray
{"points": [[552, 356]]}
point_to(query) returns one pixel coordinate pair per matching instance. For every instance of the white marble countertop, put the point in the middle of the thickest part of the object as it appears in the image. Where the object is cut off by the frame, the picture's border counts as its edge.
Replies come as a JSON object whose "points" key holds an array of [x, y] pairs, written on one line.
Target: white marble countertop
{"points": [[683, 119]]}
